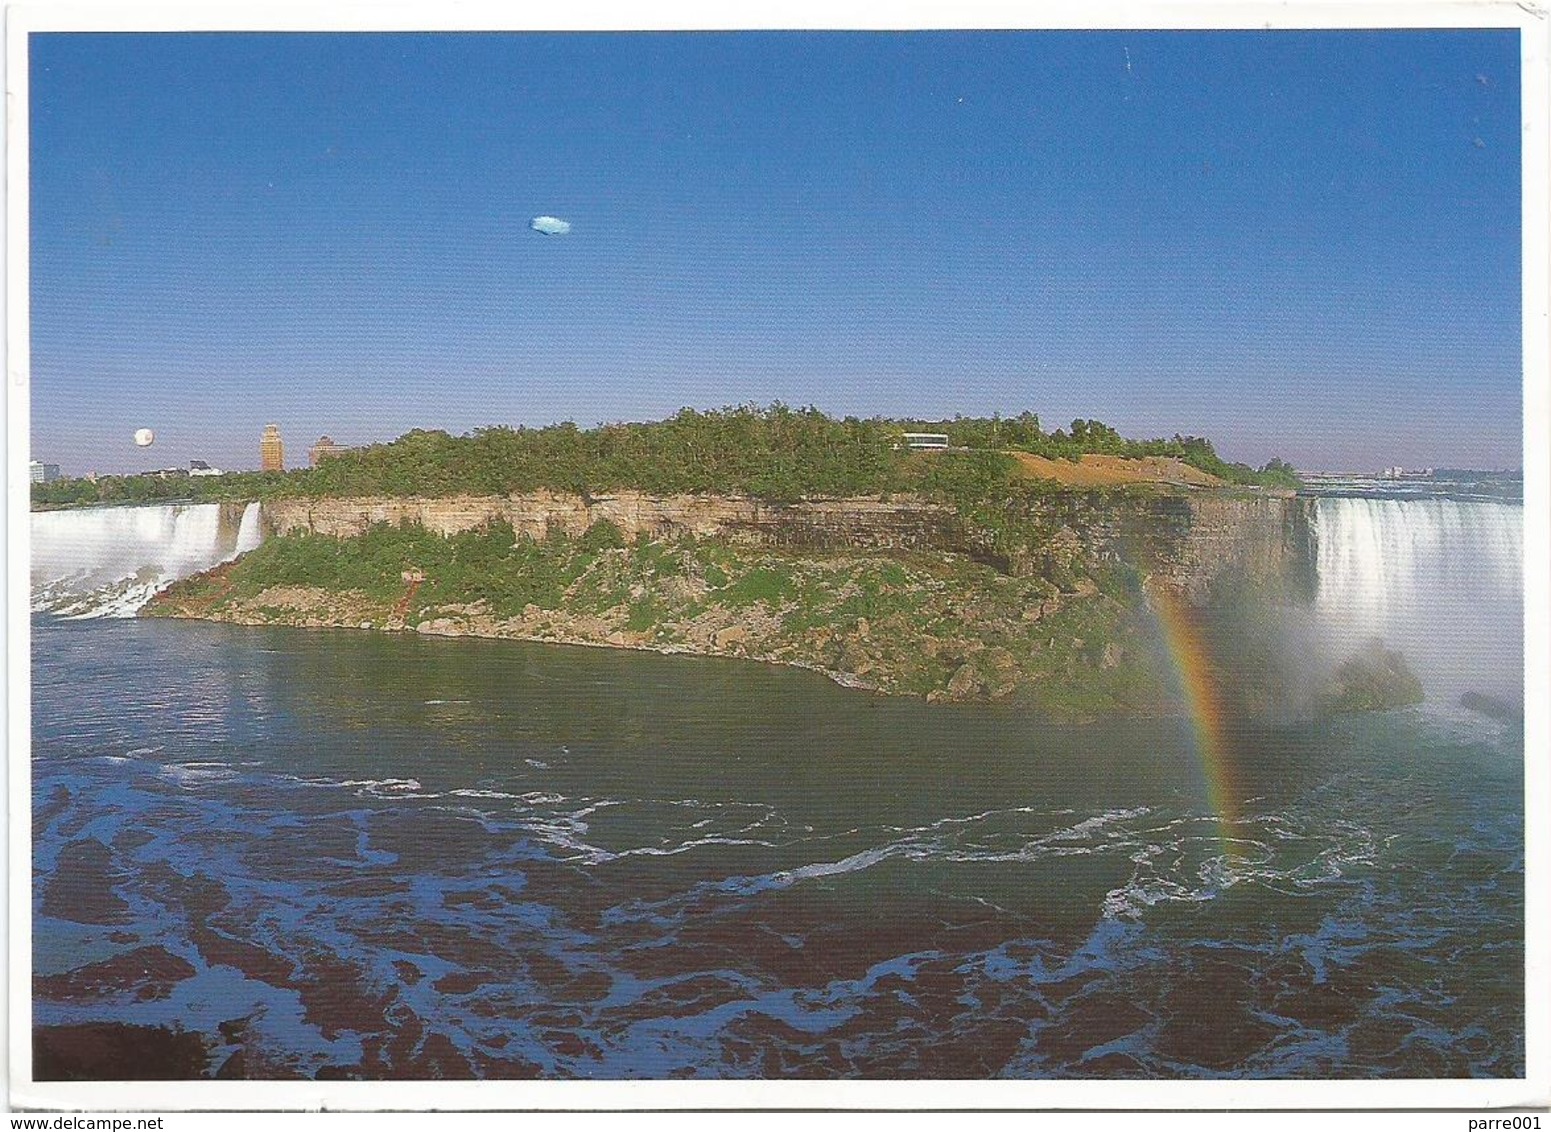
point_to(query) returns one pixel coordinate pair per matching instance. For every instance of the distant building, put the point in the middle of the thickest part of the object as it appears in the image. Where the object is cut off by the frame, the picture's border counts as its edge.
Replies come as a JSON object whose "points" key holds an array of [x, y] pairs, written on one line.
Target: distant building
{"points": [[42, 473], [926, 440], [271, 450], [200, 468], [325, 449], [166, 473]]}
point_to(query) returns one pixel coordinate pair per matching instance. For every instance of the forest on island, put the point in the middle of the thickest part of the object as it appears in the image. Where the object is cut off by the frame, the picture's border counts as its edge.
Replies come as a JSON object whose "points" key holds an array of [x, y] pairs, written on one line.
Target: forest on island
{"points": [[776, 453]]}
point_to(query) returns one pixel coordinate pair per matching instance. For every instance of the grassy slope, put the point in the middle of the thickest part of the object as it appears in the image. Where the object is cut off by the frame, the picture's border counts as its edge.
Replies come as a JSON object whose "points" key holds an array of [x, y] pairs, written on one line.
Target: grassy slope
{"points": [[933, 625]]}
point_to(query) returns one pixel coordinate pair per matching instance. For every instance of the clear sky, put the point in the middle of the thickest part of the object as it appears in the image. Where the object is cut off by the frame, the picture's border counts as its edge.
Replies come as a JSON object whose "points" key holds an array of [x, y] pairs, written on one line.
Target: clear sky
{"points": [[1303, 244]]}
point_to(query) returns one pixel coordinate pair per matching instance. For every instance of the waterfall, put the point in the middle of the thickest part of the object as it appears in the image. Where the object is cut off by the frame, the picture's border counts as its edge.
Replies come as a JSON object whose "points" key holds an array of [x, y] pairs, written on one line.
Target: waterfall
{"points": [[249, 533], [109, 561], [1440, 580]]}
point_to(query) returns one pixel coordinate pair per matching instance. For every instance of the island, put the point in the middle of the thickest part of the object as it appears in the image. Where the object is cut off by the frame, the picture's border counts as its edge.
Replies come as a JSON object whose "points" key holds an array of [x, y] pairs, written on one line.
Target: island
{"points": [[973, 559]]}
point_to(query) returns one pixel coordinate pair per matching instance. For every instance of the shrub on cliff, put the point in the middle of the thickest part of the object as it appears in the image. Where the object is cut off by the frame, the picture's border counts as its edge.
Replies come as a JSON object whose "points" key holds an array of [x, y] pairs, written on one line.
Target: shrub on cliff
{"points": [[602, 535]]}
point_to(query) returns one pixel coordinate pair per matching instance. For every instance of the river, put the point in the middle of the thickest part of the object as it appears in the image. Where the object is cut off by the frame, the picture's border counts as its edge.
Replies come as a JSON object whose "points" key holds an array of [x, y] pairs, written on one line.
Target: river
{"points": [[340, 854]]}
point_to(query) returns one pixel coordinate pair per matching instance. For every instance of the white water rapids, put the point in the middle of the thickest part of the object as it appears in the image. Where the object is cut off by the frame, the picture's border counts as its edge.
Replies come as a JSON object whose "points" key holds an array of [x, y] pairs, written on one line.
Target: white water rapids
{"points": [[109, 561], [1440, 580]]}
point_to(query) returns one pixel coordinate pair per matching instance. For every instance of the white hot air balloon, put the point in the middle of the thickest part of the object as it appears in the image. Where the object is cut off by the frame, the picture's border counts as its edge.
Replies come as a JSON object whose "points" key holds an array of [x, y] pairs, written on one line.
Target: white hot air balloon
{"points": [[144, 437]]}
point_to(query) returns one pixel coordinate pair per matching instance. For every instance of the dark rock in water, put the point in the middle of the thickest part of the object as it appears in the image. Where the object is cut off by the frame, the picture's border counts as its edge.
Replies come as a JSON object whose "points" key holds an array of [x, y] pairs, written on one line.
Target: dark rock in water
{"points": [[146, 974], [339, 1073], [58, 802], [234, 1028], [1376, 679], [1492, 706], [81, 887], [503, 1069], [1212, 1019], [1091, 1022], [248, 1065], [113, 1051]]}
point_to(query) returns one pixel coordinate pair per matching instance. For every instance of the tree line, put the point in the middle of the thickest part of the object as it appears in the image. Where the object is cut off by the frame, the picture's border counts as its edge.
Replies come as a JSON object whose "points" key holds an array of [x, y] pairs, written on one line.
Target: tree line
{"points": [[777, 453]]}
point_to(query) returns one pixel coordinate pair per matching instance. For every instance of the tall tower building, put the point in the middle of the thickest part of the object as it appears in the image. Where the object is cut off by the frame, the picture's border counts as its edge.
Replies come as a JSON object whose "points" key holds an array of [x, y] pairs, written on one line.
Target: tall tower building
{"points": [[271, 450]]}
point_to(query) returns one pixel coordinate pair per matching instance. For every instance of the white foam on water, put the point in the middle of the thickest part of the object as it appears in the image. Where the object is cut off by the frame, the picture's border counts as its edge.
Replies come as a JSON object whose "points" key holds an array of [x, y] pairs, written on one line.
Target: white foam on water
{"points": [[197, 773], [656, 851], [389, 786], [866, 859]]}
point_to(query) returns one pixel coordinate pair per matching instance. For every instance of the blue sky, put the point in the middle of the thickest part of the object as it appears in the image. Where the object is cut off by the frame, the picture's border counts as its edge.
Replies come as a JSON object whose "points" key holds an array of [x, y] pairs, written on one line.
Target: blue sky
{"points": [[1303, 244]]}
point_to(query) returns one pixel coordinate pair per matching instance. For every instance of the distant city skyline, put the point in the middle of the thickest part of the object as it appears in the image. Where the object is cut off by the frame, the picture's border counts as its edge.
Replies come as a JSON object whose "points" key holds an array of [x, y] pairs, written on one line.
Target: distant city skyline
{"points": [[1299, 244]]}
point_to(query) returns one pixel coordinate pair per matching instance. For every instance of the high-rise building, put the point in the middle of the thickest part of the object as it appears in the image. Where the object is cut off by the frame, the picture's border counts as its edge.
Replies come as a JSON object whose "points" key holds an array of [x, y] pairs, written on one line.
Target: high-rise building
{"points": [[323, 450], [271, 450], [42, 473]]}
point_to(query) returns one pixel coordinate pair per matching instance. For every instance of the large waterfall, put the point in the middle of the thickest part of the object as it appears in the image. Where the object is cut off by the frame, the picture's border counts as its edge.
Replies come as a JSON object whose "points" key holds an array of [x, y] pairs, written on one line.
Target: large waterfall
{"points": [[1440, 580], [109, 561]]}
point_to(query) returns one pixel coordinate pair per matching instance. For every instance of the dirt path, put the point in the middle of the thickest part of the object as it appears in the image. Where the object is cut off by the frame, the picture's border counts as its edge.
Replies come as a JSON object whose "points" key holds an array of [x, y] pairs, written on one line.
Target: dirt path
{"points": [[1107, 471]]}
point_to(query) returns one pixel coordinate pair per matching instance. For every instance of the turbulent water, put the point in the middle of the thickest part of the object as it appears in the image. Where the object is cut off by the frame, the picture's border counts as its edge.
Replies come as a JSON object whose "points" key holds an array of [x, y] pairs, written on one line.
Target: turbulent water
{"points": [[108, 561], [335, 854], [1441, 580]]}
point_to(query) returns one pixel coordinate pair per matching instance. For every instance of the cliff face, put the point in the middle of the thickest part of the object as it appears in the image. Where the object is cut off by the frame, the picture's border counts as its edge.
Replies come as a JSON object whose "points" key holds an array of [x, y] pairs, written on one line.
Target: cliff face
{"points": [[1189, 542], [904, 524], [1192, 543]]}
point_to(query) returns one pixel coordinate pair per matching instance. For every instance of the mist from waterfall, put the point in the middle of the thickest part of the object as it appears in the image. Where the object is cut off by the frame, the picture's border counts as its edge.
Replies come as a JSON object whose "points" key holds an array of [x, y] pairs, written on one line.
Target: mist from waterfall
{"points": [[109, 561], [1441, 580]]}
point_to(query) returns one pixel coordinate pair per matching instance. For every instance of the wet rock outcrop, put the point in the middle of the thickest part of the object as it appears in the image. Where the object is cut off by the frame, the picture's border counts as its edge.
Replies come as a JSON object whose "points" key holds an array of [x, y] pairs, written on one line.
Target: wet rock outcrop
{"points": [[1375, 679]]}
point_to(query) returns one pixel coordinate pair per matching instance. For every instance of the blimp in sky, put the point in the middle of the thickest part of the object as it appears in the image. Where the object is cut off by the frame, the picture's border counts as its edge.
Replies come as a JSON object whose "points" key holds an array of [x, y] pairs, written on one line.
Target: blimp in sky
{"points": [[550, 225], [144, 437]]}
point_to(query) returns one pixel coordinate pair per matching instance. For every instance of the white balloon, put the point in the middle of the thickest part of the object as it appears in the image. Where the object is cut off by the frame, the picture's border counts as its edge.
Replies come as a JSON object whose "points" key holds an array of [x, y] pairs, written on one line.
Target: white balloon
{"points": [[144, 437]]}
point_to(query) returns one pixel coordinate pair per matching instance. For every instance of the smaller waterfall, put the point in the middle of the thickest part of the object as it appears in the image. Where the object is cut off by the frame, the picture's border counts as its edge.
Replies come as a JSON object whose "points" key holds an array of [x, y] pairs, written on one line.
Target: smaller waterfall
{"points": [[249, 533], [109, 561]]}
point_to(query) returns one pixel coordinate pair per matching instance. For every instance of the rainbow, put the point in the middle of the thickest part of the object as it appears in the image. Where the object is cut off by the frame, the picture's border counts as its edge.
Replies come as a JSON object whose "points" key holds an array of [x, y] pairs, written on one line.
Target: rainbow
{"points": [[1191, 657]]}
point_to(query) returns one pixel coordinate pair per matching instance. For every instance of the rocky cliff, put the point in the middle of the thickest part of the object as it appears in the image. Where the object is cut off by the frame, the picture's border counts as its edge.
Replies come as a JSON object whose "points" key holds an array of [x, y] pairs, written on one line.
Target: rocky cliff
{"points": [[823, 524], [1192, 542], [1189, 541]]}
